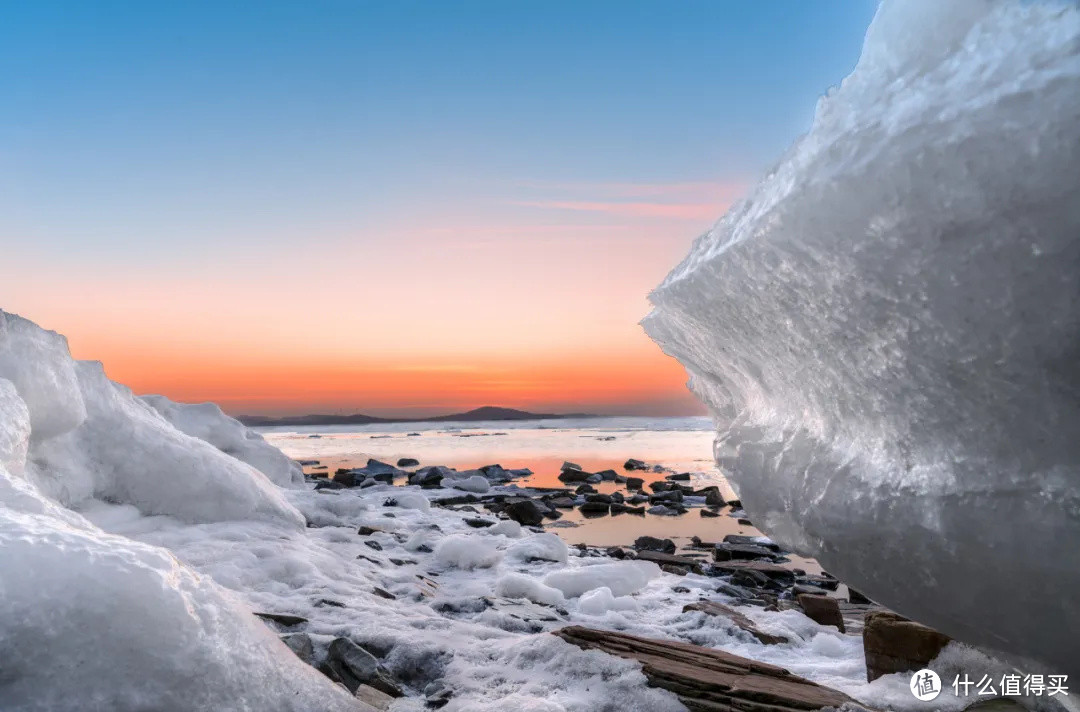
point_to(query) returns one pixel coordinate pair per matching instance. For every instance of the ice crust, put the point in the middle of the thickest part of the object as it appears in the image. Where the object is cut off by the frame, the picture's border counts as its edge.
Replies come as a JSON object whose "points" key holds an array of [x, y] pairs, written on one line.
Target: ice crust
{"points": [[887, 328]]}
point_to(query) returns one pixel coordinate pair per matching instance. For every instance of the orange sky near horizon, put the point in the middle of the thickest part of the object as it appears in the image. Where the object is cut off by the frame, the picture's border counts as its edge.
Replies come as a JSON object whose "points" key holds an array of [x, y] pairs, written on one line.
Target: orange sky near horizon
{"points": [[539, 312]]}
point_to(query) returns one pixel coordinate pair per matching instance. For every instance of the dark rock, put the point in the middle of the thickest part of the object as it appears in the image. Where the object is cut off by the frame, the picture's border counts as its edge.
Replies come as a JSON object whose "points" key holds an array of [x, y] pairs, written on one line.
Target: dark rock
{"points": [[575, 476], [284, 619], [566, 466], [822, 609], [735, 504], [633, 464], [737, 619], [329, 485], [429, 477], [714, 498], [366, 531], [856, 597], [300, 643], [383, 593], [408, 462], [709, 513], [772, 571], [634, 483], [638, 499], [651, 543], [330, 602], [894, 644], [373, 544], [745, 522], [402, 562], [354, 666], [674, 496], [477, 523], [437, 695], [679, 477], [661, 486], [663, 559], [619, 508], [709, 680], [458, 500], [674, 569], [595, 508], [605, 498], [616, 552], [743, 540], [732, 552], [829, 584], [584, 489], [526, 512], [561, 502], [608, 475]]}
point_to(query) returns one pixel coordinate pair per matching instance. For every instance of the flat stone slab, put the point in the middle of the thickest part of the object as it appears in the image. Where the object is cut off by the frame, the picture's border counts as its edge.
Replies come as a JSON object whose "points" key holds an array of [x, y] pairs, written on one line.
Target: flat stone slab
{"points": [[738, 620], [662, 558], [773, 571], [708, 680]]}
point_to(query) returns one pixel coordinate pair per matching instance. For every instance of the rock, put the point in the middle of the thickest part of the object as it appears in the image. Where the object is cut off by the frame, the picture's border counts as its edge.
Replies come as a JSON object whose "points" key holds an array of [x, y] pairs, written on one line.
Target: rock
{"points": [[595, 508], [373, 544], [663, 559], [617, 508], [661, 510], [584, 489], [366, 531], [829, 584], [300, 643], [652, 543], [457, 500], [383, 593], [477, 523], [743, 540], [673, 569], [608, 475], [437, 695], [661, 486], [771, 571], [708, 680], [745, 522], [570, 466], [376, 698], [561, 502], [679, 477], [575, 476], [429, 477], [714, 498], [740, 621], [709, 513], [408, 462], [633, 464], [674, 496], [526, 512], [615, 552], [894, 644], [284, 619], [856, 597], [634, 483], [732, 552], [638, 499], [354, 666], [822, 609], [735, 504], [329, 485], [605, 498]]}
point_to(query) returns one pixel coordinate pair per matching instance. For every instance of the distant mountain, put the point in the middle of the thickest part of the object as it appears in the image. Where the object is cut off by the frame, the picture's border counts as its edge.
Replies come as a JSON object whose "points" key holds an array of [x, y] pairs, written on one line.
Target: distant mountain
{"points": [[487, 412]]}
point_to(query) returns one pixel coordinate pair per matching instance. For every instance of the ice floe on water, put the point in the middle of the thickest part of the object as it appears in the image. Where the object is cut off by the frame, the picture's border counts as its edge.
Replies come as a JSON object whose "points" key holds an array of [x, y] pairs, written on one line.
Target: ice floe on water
{"points": [[886, 329]]}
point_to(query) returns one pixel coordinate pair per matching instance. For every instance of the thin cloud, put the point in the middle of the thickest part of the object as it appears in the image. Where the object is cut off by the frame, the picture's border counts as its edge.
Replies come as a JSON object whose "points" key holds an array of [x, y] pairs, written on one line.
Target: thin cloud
{"points": [[678, 211]]}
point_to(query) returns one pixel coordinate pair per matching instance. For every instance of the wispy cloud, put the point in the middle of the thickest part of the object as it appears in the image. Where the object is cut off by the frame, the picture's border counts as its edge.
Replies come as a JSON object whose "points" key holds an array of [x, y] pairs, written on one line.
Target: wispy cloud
{"points": [[636, 209], [694, 200]]}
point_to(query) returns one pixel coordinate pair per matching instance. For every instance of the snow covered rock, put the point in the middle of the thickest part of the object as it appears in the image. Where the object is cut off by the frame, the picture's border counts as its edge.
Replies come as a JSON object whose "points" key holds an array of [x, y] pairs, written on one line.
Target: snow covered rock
{"points": [[886, 328], [621, 578], [206, 422]]}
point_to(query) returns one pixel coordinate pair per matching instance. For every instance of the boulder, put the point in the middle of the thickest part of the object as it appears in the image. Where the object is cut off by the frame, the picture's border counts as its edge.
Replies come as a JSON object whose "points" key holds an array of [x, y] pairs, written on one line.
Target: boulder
{"points": [[892, 643], [608, 475], [713, 498], [595, 508], [708, 680], [742, 539], [709, 513], [633, 464], [634, 483], [561, 502], [575, 476], [566, 466], [526, 512], [408, 462], [821, 609], [376, 698], [679, 477], [301, 644], [353, 666], [651, 543]]}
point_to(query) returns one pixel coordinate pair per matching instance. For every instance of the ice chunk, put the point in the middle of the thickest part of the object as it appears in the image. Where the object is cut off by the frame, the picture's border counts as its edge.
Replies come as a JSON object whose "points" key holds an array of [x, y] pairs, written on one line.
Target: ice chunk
{"points": [[599, 601], [506, 527], [886, 329], [37, 362], [522, 586], [622, 578], [14, 428], [98, 623], [539, 547], [467, 552], [206, 422], [476, 483]]}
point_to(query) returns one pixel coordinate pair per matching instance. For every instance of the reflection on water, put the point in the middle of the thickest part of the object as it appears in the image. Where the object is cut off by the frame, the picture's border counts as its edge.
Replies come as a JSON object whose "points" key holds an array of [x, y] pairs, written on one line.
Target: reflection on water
{"points": [[681, 444]]}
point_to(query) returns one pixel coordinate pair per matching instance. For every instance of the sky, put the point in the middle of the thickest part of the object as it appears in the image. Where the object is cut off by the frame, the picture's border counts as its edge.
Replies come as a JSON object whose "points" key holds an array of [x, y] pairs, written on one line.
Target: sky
{"points": [[398, 208]]}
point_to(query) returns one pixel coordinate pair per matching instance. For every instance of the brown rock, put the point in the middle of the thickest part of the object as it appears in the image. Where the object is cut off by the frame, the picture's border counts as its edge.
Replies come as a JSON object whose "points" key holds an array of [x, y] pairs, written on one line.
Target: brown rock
{"points": [[738, 619], [822, 609], [708, 680], [895, 644], [663, 559]]}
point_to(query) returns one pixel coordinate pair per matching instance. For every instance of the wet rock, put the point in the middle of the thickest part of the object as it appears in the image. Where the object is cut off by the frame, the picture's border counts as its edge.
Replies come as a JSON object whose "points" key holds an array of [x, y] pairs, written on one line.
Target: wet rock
{"points": [[526, 512], [608, 475], [284, 619], [822, 609], [576, 476], [637, 499], [615, 552], [664, 559], [301, 644], [652, 543], [584, 489], [329, 485], [666, 510], [634, 483], [478, 523], [661, 486], [733, 552], [714, 608], [561, 502], [595, 508], [709, 513], [366, 531], [618, 508], [745, 522], [605, 498], [735, 504], [771, 571], [383, 593], [376, 698], [373, 544], [458, 500], [429, 477], [856, 597], [408, 462], [354, 666], [437, 695], [708, 680], [829, 584], [633, 464], [714, 498], [679, 477], [894, 644], [743, 540], [674, 496], [567, 465]]}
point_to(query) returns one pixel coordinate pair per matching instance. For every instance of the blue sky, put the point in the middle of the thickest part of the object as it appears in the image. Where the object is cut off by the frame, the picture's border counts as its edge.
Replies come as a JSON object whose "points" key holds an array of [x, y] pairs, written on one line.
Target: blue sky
{"points": [[168, 139]]}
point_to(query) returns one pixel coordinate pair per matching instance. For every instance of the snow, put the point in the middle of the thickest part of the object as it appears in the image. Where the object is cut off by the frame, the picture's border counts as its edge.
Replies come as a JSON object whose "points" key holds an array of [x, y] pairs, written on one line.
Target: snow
{"points": [[539, 547], [206, 422], [523, 586], [463, 552], [474, 483], [885, 329], [599, 601], [620, 578]]}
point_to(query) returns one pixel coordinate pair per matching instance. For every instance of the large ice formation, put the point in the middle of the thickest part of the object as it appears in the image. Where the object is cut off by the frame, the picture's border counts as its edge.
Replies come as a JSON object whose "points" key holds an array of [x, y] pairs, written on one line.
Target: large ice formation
{"points": [[93, 621], [887, 329]]}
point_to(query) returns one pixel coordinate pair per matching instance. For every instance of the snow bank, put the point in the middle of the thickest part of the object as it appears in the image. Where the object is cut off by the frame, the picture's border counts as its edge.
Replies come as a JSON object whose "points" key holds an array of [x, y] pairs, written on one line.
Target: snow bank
{"points": [[205, 421], [599, 601], [886, 328], [96, 622], [466, 553], [539, 547]]}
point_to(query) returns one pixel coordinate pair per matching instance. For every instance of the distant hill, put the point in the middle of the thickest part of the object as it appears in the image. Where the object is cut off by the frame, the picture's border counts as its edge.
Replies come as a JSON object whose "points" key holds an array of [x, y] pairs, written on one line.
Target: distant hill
{"points": [[487, 412]]}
